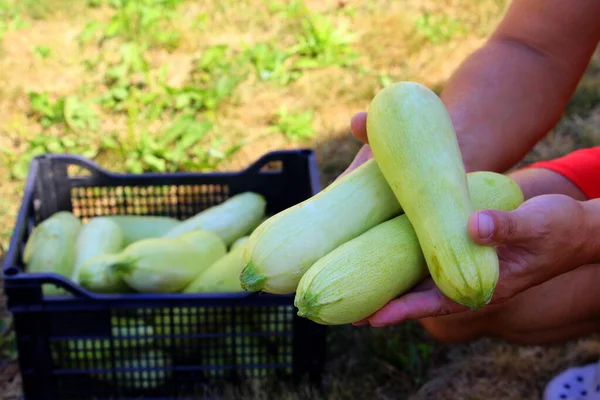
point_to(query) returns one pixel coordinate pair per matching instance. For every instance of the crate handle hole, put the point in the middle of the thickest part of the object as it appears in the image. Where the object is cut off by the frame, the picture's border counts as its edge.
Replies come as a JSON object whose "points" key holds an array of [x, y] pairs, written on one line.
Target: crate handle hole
{"points": [[78, 171], [272, 166]]}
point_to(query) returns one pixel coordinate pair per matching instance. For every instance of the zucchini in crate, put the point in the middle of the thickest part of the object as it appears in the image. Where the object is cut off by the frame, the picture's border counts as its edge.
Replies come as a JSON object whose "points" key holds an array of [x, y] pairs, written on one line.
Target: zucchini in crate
{"points": [[51, 247], [138, 227], [98, 236], [166, 265], [413, 140], [98, 276], [283, 247], [361, 276], [230, 220], [223, 275]]}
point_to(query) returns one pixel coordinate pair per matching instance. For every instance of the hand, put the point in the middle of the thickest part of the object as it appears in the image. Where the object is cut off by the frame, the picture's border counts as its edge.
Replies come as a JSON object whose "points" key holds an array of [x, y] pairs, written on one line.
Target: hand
{"points": [[545, 237]]}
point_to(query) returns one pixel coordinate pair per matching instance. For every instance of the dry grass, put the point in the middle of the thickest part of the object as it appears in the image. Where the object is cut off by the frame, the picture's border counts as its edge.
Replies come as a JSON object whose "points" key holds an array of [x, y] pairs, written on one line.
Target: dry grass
{"points": [[364, 363]]}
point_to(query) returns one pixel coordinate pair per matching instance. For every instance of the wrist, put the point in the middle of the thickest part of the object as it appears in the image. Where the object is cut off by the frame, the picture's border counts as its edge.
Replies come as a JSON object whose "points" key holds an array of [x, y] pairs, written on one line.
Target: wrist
{"points": [[540, 181]]}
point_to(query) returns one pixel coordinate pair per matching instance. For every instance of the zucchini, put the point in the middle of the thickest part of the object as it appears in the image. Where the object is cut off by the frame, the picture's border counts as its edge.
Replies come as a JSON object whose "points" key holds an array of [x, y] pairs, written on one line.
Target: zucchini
{"points": [[361, 276], [239, 242], [283, 247], [414, 143], [223, 275], [138, 227], [99, 236], [51, 247], [230, 220], [166, 265], [97, 275]]}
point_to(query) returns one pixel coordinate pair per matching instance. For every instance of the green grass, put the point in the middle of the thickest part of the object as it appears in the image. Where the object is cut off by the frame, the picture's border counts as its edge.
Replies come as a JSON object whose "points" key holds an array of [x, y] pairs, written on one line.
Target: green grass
{"points": [[174, 85]]}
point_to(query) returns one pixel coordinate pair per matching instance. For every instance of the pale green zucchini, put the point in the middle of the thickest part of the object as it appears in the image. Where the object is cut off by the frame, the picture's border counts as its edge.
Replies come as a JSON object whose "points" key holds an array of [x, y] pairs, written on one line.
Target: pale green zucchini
{"points": [[239, 242], [282, 248], [413, 141], [138, 227], [362, 275], [166, 265], [98, 236], [230, 220], [223, 275], [98, 275], [51, 247]]}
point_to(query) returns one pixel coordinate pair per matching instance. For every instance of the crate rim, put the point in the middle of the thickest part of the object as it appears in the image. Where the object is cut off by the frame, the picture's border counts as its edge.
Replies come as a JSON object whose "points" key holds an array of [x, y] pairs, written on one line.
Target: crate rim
{"points": [[14, 277]]}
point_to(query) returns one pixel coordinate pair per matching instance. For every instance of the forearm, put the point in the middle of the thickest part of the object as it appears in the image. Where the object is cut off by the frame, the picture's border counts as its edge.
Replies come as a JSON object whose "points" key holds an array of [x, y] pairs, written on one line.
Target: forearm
{"points": [[507, 95], [502, 104]]}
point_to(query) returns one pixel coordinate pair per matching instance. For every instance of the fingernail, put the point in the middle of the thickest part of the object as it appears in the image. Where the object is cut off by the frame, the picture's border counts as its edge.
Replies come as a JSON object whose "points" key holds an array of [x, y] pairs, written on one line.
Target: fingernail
{"points": [[485, 225]]}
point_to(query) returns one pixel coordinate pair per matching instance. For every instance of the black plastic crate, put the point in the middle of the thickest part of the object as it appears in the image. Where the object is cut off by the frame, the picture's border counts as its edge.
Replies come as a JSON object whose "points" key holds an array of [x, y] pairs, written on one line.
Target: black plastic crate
{"points": [[85, 345]]}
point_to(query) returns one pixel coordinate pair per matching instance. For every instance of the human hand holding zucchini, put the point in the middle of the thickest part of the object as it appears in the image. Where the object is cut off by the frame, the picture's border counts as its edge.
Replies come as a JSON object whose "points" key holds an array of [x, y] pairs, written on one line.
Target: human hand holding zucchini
{"points": [[416, 173]]}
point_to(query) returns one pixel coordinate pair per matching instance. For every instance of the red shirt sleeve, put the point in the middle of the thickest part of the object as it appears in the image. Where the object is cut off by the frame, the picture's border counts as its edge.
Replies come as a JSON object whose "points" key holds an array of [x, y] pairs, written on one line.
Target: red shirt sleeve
{"points": [[582, 167]]}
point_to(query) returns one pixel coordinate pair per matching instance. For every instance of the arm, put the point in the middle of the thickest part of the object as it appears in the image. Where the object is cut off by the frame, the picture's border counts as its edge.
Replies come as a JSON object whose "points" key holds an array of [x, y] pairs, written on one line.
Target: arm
{"points": [[507, 95]]}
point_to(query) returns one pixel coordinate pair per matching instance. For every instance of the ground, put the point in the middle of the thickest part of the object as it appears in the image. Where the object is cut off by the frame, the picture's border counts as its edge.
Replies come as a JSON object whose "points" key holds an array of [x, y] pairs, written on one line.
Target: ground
{"points": [[111, 79]]}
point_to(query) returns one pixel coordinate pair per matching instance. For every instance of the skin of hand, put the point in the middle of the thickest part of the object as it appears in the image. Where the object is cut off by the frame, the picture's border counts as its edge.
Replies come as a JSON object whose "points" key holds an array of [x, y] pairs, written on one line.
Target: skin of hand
{"points": [[546, 236]]}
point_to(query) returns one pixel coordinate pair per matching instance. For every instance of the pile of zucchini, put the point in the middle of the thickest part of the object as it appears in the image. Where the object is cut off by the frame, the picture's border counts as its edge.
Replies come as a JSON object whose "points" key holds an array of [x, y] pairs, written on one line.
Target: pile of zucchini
{"points": [[148, 254]]}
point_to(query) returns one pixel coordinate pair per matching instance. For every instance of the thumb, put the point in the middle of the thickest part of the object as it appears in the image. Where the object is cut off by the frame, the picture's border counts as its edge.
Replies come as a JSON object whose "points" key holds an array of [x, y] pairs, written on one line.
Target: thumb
{"points": [[358, 126], [495, 227]]}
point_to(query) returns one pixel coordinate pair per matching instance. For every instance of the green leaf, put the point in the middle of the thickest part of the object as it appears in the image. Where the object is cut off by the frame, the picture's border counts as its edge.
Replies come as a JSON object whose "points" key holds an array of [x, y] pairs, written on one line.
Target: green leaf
{"points": [[21, 167], [119, 93], [158, 164], [177, 129], [134, 165], [109, 142], [55, 146]]}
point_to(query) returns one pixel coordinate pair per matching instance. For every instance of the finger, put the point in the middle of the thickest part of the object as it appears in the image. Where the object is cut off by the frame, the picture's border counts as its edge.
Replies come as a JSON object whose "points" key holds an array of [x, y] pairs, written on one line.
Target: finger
{"points": [[358, 126], [430, 303], [424, 285], [495, 227], [361, 157]]}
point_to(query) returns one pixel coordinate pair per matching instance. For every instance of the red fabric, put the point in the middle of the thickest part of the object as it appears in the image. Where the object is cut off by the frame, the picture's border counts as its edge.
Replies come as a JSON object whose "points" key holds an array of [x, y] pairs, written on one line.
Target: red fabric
{"points": [[582, 167]]}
